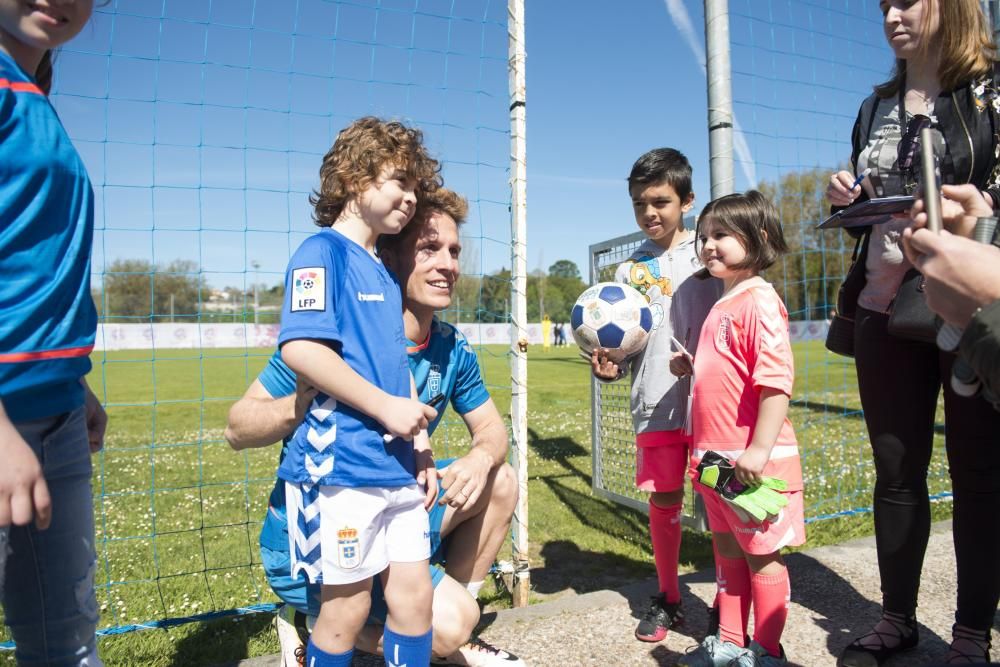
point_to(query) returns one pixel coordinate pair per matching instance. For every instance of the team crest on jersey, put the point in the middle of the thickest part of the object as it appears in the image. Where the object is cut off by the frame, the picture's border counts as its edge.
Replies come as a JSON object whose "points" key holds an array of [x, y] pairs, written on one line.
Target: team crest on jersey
{"points": [[348, 551], [434, 380], [724, 336], [309, 288]]}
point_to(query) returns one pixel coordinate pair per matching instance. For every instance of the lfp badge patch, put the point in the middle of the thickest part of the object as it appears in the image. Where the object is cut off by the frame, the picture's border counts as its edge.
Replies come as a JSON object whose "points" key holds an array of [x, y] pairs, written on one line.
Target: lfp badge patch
{"points": [[309, 288], [348, 551]]}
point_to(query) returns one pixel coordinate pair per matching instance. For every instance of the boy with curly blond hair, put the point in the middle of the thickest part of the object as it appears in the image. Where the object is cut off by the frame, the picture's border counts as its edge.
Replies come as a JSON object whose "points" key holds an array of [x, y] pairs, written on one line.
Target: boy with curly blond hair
{"points": [[352, 476]]}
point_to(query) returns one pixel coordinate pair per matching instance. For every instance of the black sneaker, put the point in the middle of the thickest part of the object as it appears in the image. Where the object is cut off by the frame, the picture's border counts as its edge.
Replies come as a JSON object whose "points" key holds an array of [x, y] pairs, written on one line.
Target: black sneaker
{"points": [[660, 617]]}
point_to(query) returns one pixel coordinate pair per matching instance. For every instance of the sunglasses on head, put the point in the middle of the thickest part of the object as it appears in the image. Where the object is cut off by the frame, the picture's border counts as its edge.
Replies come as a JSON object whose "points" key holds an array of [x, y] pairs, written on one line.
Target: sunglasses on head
{"points": [[906, 152], [906, 155]]}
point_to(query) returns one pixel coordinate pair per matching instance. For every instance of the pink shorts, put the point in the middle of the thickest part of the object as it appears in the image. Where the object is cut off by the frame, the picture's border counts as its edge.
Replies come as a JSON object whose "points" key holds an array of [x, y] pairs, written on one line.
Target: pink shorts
{"points": [[757, 539], [661, 460]]}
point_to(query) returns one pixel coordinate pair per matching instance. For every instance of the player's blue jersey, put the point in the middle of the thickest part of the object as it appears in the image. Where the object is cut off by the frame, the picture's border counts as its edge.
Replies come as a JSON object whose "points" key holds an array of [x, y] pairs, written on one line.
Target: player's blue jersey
{"points": [[443, 364], [47, 316], [338, 293]]}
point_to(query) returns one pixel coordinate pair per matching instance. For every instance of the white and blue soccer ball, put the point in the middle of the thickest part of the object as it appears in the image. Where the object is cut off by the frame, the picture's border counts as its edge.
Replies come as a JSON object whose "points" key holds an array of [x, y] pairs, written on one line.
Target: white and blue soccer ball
{"points": [[614, 316]]}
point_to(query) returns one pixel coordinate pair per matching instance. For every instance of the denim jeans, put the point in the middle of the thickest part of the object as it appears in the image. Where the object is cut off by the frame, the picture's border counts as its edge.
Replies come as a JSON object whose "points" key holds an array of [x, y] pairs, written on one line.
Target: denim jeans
{"points": [[47, 581]]}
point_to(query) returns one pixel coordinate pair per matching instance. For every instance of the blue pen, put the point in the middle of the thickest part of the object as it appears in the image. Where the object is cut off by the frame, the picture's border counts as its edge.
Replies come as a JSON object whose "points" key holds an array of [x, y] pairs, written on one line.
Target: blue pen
{"points": [[861, 177]]}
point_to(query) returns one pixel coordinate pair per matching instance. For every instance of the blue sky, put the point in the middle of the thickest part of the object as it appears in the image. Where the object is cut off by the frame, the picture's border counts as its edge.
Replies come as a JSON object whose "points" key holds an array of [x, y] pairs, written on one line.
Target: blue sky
{"points": [[203, 123]]}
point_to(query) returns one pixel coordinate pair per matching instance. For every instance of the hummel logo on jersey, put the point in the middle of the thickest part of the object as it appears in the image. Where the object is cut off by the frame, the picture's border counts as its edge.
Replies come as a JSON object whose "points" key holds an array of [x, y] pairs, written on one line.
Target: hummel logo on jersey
{"points": [[773, 332], [371, 297]]}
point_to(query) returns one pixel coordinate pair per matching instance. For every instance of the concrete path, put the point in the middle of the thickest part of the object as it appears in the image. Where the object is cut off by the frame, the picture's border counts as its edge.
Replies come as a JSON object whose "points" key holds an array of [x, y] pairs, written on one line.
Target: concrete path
{"points": [[835, 593]]}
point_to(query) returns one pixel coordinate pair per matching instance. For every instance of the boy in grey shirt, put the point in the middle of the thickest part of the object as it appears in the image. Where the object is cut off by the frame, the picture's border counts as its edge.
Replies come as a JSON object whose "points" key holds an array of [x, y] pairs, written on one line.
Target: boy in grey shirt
{"points": [[660, 187]]}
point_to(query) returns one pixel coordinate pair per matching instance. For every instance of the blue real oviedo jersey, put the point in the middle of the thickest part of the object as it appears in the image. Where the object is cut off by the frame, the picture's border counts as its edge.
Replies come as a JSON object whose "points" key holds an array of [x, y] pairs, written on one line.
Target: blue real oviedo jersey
{"points": [[338, 293]]}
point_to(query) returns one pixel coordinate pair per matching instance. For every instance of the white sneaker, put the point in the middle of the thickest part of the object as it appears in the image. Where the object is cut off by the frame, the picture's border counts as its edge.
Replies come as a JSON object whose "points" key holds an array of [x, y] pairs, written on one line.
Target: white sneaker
{"points": [[291, 636], [91, 660], [478, 653]]}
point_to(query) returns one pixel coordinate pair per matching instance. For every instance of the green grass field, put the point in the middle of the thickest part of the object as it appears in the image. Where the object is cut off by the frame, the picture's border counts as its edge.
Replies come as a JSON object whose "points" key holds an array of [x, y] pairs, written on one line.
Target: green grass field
{"points": [[178, 511]]}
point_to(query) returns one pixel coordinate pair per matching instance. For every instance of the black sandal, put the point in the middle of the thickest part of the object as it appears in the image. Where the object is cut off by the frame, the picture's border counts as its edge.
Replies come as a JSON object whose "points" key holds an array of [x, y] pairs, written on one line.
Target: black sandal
{"points": [[978, 639], [858, 654]]}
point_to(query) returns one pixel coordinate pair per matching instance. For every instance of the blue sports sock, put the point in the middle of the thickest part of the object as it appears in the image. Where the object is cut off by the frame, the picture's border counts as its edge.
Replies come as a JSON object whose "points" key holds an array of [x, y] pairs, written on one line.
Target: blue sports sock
{"points": [[406, 650], [317, 657]]}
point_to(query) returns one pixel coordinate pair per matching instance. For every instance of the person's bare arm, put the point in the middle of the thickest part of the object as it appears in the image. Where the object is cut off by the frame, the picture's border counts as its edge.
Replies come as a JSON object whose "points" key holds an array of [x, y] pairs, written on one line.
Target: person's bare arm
{"points": [[259, 419], [321, 367], [426, 472], [770, 419], [466, 477]]}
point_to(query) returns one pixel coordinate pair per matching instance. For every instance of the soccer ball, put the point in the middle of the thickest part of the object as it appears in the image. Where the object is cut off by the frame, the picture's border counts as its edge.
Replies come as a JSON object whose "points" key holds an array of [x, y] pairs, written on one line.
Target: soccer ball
{"points": [[613, 316]]}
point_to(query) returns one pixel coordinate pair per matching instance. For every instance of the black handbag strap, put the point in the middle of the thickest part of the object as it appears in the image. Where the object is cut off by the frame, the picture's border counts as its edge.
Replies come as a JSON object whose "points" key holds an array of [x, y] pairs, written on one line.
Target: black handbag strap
{"points": [[857, 244], [901, 108], [864, 129]]}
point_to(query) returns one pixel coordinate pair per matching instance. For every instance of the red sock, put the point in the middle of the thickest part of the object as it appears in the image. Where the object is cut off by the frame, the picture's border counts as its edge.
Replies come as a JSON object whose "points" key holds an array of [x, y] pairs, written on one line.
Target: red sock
{"points": [[665, 531], [771, 594], [733, 577], [715, 554]]}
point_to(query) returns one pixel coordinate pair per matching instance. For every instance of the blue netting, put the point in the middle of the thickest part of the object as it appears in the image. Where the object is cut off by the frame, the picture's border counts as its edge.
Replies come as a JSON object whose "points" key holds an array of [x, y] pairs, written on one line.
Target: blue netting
{"points": [[203, 126], [800, 70]]}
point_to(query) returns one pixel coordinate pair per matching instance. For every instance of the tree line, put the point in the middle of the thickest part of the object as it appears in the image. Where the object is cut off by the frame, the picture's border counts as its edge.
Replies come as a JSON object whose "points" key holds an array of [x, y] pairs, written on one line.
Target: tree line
{"points": [[486, 298], [808, 277], [136, 290]]}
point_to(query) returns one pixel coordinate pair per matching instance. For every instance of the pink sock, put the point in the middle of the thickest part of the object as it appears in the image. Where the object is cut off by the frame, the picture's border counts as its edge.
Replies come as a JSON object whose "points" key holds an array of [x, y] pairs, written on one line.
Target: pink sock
{"points": [[771, 594], [665, 531], [733, 576]]}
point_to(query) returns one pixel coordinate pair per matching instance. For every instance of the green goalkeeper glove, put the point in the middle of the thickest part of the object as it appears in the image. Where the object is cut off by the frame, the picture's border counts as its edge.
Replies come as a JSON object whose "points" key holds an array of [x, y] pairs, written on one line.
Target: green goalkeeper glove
{"points": [[751, 503]]}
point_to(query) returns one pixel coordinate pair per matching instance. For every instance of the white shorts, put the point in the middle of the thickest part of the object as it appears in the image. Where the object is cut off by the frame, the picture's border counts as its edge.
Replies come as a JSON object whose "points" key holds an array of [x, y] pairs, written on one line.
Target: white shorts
{"points": [[340, 535]]}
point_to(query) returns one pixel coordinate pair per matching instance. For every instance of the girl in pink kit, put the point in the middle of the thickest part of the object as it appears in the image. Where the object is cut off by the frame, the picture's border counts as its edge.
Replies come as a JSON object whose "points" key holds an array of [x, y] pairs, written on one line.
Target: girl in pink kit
{"points": [[743, 379]]}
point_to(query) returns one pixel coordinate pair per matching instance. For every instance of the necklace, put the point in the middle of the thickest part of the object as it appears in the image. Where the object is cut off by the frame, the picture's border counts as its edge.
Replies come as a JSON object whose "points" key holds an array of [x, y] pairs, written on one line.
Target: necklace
{"points": [[921, 99]]}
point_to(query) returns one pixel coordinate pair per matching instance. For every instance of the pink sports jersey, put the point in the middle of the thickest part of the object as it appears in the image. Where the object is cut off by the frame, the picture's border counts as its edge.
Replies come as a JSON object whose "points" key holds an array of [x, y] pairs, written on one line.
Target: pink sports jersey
{"points": [[743, 347]]}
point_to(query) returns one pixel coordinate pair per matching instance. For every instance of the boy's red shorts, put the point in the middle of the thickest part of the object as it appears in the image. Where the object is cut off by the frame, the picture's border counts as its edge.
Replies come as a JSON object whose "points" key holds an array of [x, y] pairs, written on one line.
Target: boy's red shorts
{"points": [[661, 460]]}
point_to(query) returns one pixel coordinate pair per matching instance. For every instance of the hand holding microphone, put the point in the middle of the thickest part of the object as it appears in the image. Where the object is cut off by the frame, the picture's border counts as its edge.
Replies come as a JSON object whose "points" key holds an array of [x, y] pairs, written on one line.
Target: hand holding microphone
{"points": [[952, 266]]}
